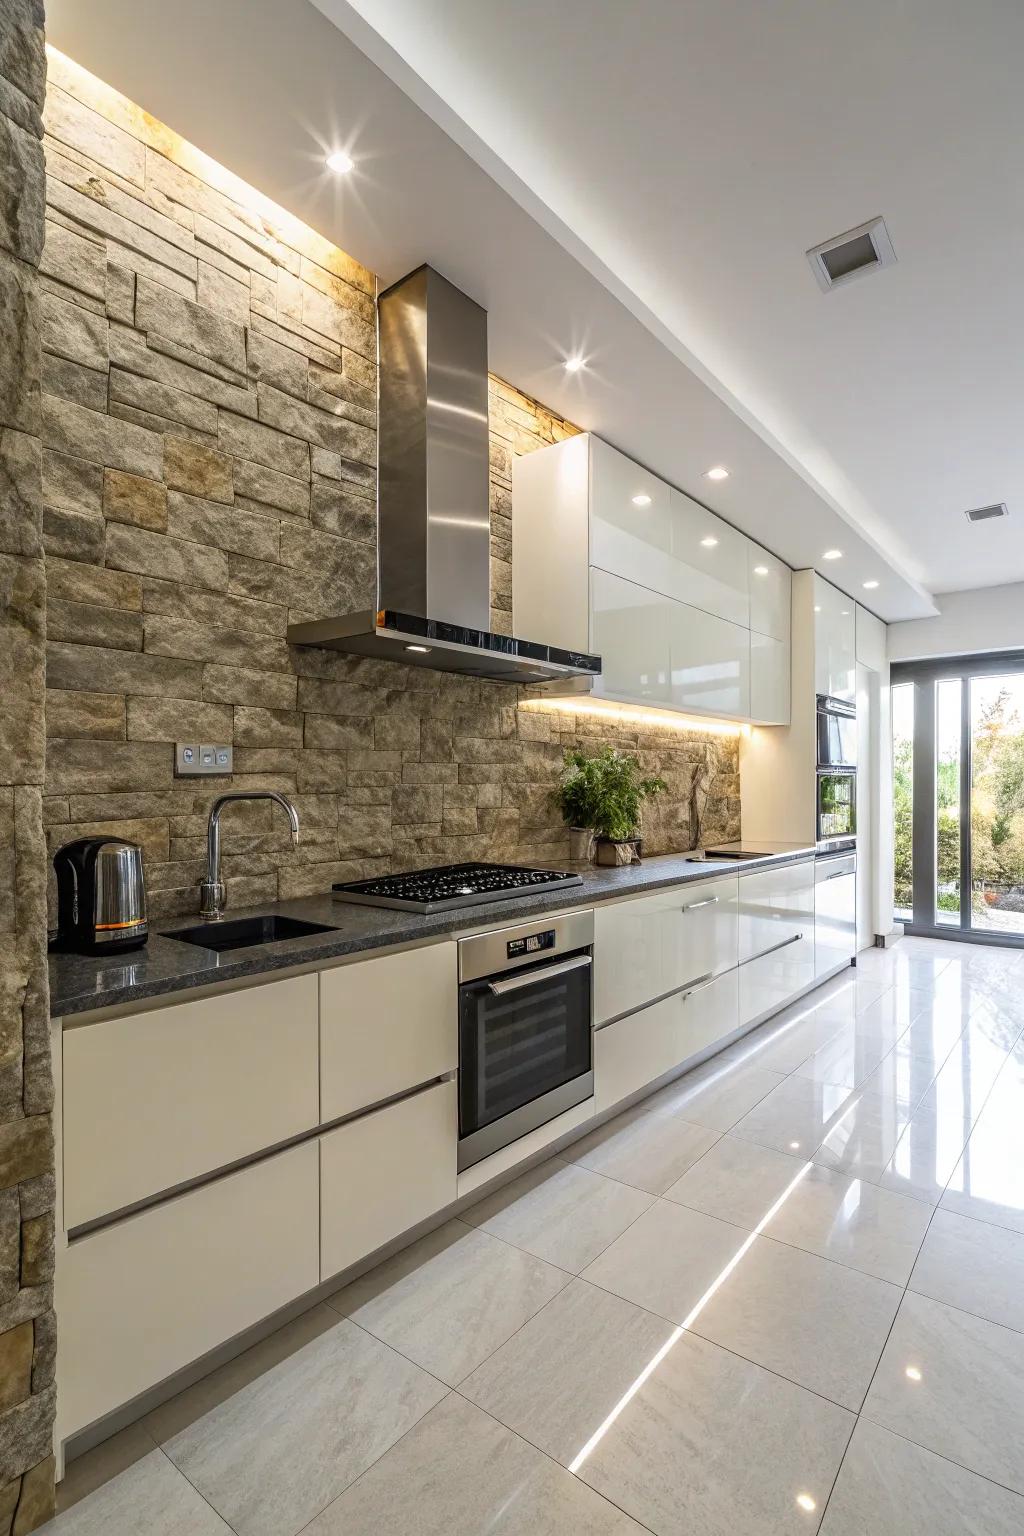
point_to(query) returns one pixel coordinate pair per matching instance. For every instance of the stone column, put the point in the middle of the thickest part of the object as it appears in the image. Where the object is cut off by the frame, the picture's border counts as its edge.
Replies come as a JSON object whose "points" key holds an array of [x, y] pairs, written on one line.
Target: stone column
{"points": [[26, 1144]]}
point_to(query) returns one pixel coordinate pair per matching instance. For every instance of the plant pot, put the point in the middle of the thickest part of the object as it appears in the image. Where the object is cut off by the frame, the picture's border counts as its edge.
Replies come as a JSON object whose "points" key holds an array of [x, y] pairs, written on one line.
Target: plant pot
{"points": [[581, 845], [616, 851]]}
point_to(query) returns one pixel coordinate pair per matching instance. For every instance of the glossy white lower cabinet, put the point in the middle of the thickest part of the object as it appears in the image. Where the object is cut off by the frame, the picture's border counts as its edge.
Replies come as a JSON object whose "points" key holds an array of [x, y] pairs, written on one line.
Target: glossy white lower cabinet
{"points": [[770, 982], [835, 914], [709, 1014], [710, 663], [634, 1051], [150, 1294], [384, 1172], [155, 1098], [775, 905], [387, 1025], [769, 680], [656, 944]]}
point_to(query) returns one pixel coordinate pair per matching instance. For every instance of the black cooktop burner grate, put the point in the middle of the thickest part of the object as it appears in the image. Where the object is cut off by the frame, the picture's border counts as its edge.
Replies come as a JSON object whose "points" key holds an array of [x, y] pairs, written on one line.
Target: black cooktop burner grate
{"points": [[452, 886]]}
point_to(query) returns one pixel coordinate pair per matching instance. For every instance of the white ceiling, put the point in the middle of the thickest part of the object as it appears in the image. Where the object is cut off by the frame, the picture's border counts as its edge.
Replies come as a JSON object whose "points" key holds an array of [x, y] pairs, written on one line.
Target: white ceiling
{"points": [[570, 208]]}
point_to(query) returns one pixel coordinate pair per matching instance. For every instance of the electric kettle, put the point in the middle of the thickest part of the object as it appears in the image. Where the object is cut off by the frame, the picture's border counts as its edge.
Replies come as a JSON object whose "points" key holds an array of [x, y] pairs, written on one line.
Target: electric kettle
{"points": [[101, 896]]}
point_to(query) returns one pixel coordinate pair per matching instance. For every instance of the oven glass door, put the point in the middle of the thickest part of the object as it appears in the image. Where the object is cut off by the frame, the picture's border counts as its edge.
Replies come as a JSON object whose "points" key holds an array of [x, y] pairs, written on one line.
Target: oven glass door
{"points": [[837, 740], [837, 805], [522, 1036]]}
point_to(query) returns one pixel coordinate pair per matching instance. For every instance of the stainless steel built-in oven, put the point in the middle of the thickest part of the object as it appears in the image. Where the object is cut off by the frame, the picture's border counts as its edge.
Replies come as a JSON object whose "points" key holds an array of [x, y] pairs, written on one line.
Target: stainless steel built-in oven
{"points": [[837, 733], [526, 1029]]}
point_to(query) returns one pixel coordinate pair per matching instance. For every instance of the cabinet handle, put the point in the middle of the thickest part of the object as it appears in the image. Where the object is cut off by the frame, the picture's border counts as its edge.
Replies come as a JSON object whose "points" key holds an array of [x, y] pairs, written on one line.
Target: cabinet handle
{"points": [[840, 874], [773, 947], [709, 901], [698, 981], [516, 983]]}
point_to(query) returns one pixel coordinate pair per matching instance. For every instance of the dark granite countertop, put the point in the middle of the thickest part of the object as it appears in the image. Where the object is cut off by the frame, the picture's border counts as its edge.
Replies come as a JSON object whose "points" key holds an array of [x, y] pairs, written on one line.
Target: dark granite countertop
{"points": [[165, 965]]}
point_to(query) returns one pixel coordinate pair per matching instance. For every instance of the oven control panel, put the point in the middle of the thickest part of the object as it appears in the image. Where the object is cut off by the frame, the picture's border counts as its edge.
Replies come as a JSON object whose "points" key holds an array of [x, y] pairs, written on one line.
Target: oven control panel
{"points": [[532, 944]]}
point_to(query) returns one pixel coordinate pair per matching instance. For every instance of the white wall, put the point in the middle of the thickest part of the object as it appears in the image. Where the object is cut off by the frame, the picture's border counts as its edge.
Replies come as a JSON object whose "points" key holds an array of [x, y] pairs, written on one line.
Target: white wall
{"points": [[985, 619]]}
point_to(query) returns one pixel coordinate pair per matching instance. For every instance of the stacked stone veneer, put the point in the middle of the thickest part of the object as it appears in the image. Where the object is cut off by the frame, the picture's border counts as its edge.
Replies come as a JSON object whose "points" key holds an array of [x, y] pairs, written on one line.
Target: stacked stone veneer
{"points": [[209, 438], [26, 1146]]}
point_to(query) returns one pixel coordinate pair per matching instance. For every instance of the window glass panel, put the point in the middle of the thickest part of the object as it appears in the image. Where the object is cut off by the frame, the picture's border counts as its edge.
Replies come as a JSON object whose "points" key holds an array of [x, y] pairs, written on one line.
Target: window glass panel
{"points": [[903, 798], [997, 803], [947, 801]]}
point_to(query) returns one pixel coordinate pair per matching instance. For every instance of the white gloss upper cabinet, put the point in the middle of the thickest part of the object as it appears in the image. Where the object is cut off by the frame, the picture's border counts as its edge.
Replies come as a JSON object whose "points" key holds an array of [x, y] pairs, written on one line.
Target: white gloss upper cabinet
{"points": [[771, 591], [631, 631], [709, 566], [871, 641], [835, 642], [630, 519], [769, 680], [710, 663]]}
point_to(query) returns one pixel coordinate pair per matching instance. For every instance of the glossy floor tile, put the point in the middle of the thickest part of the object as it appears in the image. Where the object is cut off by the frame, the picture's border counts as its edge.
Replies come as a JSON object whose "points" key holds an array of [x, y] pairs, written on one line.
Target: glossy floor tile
{"points": [[974, 1266], [676, 1323], [953, 1383], [643, 1148], [887, 1486], [451, 1299], [275, 1454], [458, 1472], [561, 1213]]}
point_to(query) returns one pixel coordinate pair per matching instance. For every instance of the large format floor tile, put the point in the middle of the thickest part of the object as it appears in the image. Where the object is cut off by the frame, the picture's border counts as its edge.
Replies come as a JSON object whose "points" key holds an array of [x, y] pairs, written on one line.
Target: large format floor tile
{"points": [[450, 1300], [797, 1115], [988, 1181], [681, 1434], [812, 1321], [277, 1453], [644, 1148], [561, 1213], [861, 1139], [848, 1058], [150, 1498], [974, 1266], [459, 1472], [888, 1486], [718, 1094], [852, 1222], [954, 1384], [738, 1181]]}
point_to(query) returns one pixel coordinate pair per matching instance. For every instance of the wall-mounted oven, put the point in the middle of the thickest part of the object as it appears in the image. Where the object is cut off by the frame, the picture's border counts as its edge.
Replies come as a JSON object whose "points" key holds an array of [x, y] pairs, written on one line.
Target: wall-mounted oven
{"points": [[837, 733], [526, 1029], [836, 809]]}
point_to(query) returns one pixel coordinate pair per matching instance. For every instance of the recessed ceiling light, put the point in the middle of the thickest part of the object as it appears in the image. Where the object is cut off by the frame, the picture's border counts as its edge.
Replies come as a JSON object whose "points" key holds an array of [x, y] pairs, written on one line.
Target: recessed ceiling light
{"points": [[424, 650], [832, 554], [339, 163], [913, 1373], [573, 364], [794, 1146], [806, 1502], [643, 500], [869, 586], [760, 570], [716, 472], [817, 607], [709, 542]]}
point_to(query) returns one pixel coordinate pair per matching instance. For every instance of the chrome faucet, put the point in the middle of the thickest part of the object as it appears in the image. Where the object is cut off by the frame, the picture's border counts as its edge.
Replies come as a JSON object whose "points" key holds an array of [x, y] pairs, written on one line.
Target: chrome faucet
{"points": [[212, 898]]}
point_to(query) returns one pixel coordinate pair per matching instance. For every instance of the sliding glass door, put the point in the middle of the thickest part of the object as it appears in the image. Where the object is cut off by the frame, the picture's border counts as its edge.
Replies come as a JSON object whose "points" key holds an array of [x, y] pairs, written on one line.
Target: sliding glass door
{"points": [[958, 797]]}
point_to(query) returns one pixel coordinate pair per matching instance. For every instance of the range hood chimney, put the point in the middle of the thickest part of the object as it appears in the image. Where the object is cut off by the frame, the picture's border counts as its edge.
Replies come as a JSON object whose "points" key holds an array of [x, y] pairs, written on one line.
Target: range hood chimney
{"points": [[433, 521]]}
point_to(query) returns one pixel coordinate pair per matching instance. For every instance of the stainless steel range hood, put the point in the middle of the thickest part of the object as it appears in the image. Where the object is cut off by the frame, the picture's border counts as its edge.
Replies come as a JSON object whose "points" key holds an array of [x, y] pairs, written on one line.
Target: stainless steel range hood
{"points": [[433, 521]]}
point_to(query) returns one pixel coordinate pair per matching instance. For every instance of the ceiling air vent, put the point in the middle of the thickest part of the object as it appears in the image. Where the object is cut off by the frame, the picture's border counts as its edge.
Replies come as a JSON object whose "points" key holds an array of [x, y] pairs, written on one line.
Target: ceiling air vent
{"points": [[864, 249], [982, 514]]}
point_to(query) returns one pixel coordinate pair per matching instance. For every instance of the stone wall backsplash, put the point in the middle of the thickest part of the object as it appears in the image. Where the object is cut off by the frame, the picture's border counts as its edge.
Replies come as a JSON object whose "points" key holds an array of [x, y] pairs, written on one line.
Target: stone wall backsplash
{"points": [[209, 431], [27, 1189]]}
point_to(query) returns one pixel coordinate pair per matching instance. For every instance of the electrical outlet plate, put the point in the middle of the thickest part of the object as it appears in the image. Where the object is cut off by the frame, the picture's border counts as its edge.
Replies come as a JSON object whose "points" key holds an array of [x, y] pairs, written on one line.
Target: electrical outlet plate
{"points": [[199, 759]]}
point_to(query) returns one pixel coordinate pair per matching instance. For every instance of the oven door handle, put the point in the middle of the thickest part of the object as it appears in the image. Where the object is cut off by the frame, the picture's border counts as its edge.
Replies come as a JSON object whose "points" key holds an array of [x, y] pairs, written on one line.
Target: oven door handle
{"points": [[517, 983]]}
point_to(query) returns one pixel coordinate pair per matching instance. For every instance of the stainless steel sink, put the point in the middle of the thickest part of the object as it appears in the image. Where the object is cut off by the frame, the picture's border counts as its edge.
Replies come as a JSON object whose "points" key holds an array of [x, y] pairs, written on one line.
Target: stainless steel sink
{"points": [[244, 932]]}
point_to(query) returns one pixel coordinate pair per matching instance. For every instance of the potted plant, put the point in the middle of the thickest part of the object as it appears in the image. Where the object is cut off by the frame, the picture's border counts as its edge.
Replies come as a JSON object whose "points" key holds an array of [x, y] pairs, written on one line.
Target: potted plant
{"points": [[601, 796]]}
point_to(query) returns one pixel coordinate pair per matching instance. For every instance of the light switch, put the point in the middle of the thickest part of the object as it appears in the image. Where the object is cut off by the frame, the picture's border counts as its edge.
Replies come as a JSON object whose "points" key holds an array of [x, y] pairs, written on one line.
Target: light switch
{"points": [[196, 759]]}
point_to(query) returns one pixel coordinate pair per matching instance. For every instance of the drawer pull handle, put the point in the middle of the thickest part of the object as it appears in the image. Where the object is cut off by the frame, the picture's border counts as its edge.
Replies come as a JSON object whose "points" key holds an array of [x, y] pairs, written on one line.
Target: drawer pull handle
{"points": [[517, 983], [699, 981], [709, 901], [773, 947], [840, 874]]}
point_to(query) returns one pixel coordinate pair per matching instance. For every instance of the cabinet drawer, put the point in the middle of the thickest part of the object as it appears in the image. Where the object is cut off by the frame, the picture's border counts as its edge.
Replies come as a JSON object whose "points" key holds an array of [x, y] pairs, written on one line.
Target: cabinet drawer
{"points": [[385, 1172], [634, 1051], [658, 944], [835, 921], [386, 1025], [770, 982], [774, 905], [154, 1099], [709, 1014], [147, 1296]]}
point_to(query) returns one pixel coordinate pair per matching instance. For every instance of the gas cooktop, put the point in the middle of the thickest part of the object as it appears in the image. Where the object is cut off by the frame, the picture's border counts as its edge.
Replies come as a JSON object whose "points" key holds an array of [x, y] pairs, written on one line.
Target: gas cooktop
{"points": [[452, 886]]}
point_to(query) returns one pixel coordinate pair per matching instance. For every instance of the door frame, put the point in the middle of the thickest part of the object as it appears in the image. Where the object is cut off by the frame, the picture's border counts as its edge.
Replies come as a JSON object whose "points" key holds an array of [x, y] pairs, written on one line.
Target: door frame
{"points": [[924, 675]]}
